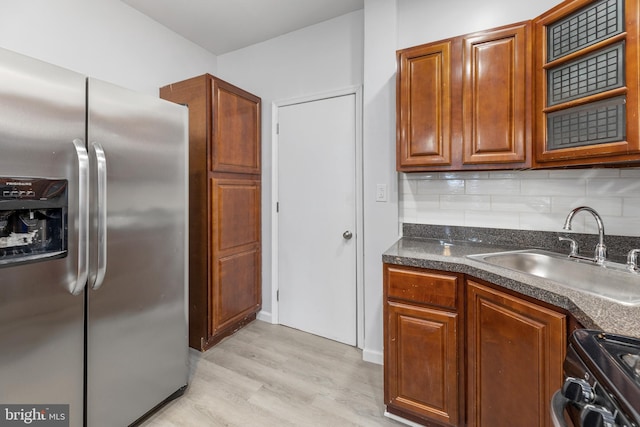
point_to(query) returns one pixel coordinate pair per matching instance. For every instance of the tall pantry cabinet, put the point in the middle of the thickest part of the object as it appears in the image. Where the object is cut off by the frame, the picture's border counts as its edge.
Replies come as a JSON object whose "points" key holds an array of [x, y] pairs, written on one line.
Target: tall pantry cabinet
{"points": [[224, 206]]}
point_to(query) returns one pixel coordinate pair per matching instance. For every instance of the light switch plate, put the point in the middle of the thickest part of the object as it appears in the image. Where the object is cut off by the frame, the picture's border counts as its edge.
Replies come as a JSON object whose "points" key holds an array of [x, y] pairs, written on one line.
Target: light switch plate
{"points": [[381, 193]]}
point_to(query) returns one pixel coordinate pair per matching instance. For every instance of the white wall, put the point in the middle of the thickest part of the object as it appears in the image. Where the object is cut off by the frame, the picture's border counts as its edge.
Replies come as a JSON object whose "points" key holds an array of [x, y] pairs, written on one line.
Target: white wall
{"points": [[381, 219], [317, 59], [527, 200], [422, 21], [105, 39]]}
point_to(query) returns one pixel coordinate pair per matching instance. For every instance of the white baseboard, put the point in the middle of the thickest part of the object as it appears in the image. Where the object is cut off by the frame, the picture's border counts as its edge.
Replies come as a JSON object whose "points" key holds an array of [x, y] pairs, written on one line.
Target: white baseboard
{"points": [[373, 356], [265, 316], [401, 420]]}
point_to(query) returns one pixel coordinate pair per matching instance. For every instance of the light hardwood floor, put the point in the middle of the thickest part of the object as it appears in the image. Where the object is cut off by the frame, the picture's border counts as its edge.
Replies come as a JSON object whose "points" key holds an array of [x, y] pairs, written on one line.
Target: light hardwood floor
{"points": [[269, 375]]}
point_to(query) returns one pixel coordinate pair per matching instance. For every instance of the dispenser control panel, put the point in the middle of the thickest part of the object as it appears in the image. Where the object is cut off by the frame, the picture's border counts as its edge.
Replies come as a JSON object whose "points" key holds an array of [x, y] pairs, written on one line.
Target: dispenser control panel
{"points": [[33, 219]]}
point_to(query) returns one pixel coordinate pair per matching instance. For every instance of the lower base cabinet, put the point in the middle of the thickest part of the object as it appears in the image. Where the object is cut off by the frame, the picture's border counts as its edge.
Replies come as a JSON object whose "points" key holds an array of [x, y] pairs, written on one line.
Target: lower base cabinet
{"points": [[460, 352], [515, 351], [422, 338], [423, 341]]}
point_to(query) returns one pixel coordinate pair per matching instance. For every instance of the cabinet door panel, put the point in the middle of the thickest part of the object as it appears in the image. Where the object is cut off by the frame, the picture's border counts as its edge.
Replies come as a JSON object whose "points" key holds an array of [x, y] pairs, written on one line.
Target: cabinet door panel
{"points": [[236, 207], [515, 352], [235, 144], [496, 96], [235, 288], [422, 363], [235, 263], [424, 106]]}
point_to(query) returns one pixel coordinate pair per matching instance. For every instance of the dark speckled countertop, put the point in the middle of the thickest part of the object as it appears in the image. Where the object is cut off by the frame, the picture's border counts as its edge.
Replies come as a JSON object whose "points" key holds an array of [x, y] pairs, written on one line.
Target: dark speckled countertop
{"points": [[447, 251]]}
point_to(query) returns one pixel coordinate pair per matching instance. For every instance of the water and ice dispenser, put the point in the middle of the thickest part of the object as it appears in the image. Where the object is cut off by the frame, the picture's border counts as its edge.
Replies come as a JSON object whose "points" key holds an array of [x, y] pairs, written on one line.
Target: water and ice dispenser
{"points": [[33, 219]]}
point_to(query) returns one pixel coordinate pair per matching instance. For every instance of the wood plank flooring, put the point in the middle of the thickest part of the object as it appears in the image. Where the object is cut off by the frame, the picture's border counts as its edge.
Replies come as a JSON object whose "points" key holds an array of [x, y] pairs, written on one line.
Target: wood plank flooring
{"points": [[270, 375]]}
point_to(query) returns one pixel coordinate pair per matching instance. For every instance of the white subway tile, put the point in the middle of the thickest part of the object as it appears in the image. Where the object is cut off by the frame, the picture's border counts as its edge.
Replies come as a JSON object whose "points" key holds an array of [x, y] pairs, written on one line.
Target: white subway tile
{"points": [[603, 205], [620, 226], [491, 219], [446, 186], [404, 204], [464, 175], [584, 173], [520, 204], [507, 174], [536, 200], [627, 187], [427, 202], [553, 187], [420, 176], [408, 186], [463, 201], [542, 222], [493, 186], [442, 217], [631, 206], [630, 173]]}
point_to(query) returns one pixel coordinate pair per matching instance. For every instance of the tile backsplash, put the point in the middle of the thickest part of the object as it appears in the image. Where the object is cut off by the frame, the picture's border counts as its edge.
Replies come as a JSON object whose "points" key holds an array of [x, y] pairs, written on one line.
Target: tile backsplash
{"points": [[523, 200]]}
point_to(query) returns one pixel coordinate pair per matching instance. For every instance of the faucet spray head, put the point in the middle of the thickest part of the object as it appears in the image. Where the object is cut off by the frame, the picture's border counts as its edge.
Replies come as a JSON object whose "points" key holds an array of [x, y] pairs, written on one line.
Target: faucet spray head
{"points": [[567, 222]]}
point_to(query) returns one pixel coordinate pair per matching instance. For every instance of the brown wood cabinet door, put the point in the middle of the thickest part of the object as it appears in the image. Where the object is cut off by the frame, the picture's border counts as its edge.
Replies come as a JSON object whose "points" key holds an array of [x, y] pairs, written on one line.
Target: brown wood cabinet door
{"points": [[515, 351], [424, 106], [586, 83], [235, 294], [497, 95], [235, 142], [235, 265], [421, 374]]}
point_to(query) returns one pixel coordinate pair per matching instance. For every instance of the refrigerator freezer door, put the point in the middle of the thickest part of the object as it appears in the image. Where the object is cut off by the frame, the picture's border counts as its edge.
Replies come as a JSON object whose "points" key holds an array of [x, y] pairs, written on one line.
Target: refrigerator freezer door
{"points": [[137, 327], [42, 112]]}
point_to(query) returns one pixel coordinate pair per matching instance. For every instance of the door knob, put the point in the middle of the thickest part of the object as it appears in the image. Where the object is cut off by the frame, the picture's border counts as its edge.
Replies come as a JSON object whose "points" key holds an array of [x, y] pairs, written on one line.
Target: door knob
{"points": [[347, 235]]}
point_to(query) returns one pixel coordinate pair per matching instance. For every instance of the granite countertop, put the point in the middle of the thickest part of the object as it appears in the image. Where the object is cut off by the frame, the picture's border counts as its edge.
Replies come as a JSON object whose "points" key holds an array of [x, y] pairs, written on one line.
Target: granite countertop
{"points": [[591, 311]]}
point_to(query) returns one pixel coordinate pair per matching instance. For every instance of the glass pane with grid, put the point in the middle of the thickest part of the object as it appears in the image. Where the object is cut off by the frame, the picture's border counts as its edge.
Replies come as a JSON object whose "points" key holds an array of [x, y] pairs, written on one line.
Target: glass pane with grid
{"points": [[599, 72], [596, 123], [589, 25]]}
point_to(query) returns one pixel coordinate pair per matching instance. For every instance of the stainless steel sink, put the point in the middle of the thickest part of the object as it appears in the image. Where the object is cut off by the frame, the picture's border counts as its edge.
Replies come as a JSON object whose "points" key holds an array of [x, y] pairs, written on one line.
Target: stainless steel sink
{"points": [[611, 281]]}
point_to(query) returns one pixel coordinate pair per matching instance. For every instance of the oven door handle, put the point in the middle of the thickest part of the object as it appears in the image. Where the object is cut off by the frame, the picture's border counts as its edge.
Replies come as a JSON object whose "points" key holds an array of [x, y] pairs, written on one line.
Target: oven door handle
{"points": [[558, 403]]}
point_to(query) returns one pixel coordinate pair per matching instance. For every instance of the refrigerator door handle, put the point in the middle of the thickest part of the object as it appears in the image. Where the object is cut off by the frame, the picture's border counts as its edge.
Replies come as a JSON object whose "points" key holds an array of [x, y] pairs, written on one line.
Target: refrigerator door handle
{"points": [[83, 217], [101, 170]]}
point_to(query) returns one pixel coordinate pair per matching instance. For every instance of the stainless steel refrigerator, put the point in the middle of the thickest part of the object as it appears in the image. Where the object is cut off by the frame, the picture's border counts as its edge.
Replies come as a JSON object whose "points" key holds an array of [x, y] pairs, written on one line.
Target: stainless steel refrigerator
{"points": [[93, 233]]}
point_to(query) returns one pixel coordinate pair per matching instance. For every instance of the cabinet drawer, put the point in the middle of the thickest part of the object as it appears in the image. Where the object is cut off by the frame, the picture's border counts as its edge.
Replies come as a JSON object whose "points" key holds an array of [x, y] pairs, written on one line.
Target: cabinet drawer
{"points": [[422, 286]]}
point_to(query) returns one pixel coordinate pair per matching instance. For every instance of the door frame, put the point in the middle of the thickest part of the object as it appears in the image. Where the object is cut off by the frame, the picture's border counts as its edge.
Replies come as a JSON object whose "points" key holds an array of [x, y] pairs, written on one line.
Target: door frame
{"points": [[275, 239]]}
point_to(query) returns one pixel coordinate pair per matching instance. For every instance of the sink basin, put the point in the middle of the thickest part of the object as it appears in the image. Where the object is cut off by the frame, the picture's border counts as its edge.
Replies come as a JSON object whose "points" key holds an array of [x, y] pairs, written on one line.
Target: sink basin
{"points": [[611, 281]]}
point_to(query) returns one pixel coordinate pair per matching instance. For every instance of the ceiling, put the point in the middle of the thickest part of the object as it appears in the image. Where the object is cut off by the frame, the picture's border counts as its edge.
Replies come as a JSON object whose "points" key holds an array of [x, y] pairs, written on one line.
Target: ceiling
{"points": [[222, 26]]}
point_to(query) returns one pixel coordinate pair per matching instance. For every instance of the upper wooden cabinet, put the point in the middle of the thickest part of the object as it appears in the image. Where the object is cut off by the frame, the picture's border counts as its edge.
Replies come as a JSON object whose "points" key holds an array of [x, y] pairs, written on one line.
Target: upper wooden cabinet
{"points": [[424, 117], [496, 97], [224, 206], [465, 103], [587, 83], [561, 90], [235, 128]]}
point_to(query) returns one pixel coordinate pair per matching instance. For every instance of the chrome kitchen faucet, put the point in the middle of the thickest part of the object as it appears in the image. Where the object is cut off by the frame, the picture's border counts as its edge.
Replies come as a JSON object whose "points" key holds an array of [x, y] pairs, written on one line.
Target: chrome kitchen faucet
{"points": [[601, 250]]}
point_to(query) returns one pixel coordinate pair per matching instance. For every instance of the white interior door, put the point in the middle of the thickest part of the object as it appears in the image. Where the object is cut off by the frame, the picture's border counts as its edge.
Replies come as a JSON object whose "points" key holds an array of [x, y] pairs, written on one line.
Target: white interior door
{"points": [[317, 217]]}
